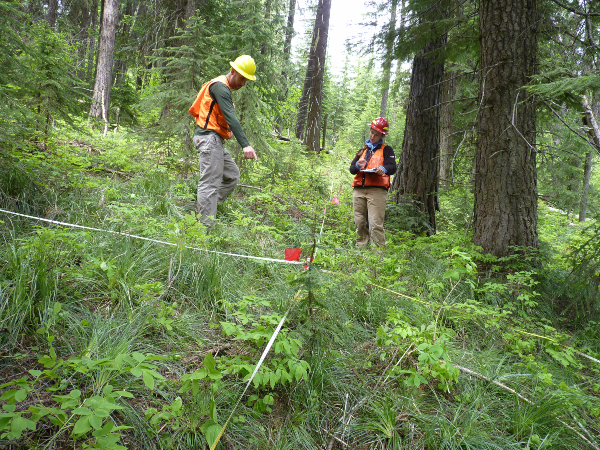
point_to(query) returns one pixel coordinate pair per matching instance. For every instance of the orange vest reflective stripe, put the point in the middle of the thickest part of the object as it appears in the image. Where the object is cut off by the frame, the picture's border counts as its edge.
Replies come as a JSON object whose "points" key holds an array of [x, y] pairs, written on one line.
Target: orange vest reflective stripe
{"points": [[366, 179], [207, 112]]}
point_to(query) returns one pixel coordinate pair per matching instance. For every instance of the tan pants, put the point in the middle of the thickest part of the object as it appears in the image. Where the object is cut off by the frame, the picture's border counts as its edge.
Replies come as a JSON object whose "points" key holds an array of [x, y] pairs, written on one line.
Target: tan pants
{"points": [[218, 175], [369, 212]]}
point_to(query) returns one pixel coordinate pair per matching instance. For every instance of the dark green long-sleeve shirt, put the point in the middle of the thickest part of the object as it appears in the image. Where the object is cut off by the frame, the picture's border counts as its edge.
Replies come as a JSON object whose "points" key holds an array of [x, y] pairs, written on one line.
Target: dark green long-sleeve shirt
{"points": [[222, 94]]}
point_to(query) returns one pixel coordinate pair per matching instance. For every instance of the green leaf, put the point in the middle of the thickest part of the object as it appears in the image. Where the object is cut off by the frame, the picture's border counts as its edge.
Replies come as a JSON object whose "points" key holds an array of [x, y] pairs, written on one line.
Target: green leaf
{"points": [[424, 357], [454, 274], [214, 374], [96, 422], [125, 394], [8, 394], [35, 373], [209, 361], [82, 426], [212, 433], [20, 424], [75, 393], [82, 411], [20, 395], [57, 307], [138, 356], [199, 374], [4, 421], [213, 411], [148, 379], [103, 412], [176, 406]]}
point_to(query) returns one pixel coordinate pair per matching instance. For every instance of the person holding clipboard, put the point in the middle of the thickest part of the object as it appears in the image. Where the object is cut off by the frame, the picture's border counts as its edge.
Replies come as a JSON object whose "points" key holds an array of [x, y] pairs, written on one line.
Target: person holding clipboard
{"points": [[372, 167]]}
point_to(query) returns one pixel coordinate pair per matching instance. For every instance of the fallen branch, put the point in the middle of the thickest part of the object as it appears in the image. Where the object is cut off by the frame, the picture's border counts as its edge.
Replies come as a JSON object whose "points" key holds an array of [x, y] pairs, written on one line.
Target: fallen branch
{"points": [[497, 383], [330, 446]]}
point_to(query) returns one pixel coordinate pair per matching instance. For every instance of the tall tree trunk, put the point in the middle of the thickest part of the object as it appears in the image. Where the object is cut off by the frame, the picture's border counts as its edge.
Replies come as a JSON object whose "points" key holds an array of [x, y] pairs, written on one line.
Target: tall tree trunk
{"points": [[289, 32], [418, 172], [190, 8], [387, 61], [315, 107], [447, 126], [505, 209], [121, 64], [308, 79], [287, 51], [303, 104], [52, 13], [267, 19], [84, 25], [92, 42], [101, 98], [590, 120]]}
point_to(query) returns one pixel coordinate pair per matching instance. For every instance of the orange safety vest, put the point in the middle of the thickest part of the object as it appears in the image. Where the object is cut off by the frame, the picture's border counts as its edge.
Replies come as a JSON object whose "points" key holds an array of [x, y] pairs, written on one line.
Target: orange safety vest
{"points": [[368, 179], [207, 111]]}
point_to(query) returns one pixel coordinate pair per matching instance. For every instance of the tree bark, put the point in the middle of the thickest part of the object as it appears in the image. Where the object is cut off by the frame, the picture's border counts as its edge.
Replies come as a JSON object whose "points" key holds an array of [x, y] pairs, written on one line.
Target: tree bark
{"points": [[92, 42], [447, 126], [387, 61], [418, 172], [594, 134], [289, 32], [84, 16], [121, 64], [308, 78], [315, 107], [52, 13], [190, 8], [505, 209], [101, 98], [287, 51]]}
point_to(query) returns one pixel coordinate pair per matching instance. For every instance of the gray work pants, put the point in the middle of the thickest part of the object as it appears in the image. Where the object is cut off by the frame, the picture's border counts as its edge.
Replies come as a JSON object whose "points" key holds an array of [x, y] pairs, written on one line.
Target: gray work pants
{"points": [[218, 175], [369, 211]]}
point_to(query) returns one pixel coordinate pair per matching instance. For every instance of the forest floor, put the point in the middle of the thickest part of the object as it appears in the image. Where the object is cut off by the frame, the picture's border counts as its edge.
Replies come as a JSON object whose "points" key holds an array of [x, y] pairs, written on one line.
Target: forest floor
{"points": [[142, 330]]}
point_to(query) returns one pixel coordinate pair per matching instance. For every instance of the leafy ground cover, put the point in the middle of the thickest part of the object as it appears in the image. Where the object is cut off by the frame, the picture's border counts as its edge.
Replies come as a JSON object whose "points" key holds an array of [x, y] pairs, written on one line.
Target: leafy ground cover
{"points": [[109, 341]]}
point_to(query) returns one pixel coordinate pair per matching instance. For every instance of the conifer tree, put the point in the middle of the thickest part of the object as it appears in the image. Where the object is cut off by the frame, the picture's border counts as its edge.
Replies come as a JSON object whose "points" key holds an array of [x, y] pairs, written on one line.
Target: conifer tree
{"points": [[100, 108], [315, 105], [418, 170], [388, 57], [505, 211]]}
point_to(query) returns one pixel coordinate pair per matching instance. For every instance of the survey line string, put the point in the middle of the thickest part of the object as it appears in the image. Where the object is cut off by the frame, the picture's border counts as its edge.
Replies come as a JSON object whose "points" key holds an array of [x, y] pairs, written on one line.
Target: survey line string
{"points": [[71, 225], [82, 227], [279, 326], [432, 304], [260, 361]]}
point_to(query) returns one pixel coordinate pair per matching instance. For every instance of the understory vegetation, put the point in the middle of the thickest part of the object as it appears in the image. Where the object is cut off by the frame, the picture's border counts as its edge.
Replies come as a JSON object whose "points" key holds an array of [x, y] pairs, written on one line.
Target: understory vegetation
{"points": [[108, 340]]}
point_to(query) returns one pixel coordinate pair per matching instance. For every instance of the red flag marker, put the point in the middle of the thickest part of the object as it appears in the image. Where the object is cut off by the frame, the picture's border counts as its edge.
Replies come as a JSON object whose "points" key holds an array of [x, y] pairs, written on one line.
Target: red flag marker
{"points": [[292, 254]]}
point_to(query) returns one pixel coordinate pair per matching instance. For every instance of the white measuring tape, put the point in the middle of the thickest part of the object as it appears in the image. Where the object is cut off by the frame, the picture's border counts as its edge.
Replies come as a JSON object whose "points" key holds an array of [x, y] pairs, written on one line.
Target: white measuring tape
{"points": [[72, 225], [260, 361]]}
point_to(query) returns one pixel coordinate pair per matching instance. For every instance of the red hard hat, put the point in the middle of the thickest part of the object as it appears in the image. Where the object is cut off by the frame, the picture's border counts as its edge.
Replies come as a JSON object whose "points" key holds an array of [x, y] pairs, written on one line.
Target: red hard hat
{"points": [[381, 125]]}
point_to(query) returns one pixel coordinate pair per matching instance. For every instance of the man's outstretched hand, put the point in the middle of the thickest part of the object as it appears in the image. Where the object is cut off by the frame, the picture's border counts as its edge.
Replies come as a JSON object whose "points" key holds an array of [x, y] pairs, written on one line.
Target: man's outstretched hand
{"points": [[249, 153]]}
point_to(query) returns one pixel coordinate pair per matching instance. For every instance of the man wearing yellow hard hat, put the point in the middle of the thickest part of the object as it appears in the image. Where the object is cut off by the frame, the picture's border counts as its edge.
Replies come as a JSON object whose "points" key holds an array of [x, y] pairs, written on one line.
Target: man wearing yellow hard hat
{"points": [[216, 121]]}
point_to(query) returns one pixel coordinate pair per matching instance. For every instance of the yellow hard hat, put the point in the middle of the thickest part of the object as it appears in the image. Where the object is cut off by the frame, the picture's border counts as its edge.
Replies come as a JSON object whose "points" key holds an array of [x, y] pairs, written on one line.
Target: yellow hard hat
{"points": [[244, 65]]}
